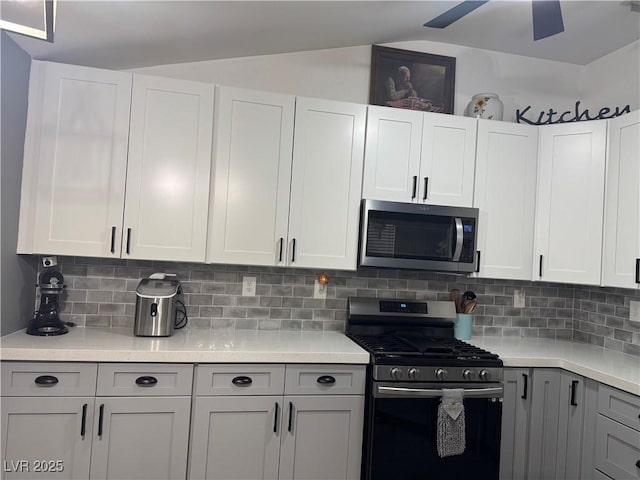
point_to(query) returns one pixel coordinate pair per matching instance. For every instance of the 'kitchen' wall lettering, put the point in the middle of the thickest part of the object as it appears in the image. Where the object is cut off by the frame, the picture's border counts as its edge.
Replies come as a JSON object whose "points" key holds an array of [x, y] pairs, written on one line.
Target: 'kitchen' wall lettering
{"points": [[551, 116]]}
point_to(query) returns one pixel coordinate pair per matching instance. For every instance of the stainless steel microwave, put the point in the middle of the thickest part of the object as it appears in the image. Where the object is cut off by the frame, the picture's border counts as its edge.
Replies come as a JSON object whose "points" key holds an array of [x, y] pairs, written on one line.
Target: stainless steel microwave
{"points": [[417, 236]]}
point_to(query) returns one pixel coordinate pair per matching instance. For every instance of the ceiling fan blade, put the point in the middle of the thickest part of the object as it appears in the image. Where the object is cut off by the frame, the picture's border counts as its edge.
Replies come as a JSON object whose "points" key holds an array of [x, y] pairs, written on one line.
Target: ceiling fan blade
{"points": [[547, 18], [455, 13]]}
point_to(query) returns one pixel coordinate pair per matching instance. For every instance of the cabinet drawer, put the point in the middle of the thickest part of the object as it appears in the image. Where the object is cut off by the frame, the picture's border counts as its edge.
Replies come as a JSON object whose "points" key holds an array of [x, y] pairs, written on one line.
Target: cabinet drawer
{"points": [[325, 379], [240, 379], [620, 406], [144, 379], [617, 449], [33, 379]]}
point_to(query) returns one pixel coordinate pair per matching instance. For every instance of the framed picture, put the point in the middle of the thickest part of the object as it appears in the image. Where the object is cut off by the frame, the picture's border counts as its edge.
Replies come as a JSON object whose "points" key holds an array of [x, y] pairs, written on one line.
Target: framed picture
{"points": [[413, 80], [33, 18]]}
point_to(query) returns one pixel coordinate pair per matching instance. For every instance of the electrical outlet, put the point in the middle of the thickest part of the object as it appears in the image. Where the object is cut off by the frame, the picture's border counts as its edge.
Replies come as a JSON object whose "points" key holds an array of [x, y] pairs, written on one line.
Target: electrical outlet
{"points": [[248, 286], [319, 290], [49, 261], [634, 311], [518, 298]]}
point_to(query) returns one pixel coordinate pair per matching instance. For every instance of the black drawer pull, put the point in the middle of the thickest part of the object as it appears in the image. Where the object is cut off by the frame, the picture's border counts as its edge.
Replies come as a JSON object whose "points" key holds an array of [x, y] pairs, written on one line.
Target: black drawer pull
{"points": [[46, 380], [326, 380], [146, 381], [242, 381], [83, 426], [526, 381], [290, 416], [638, 464]]}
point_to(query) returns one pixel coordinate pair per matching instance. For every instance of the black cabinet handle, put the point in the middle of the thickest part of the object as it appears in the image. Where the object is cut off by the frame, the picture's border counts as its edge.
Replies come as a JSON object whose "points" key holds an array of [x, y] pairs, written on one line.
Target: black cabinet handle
{"points": [[326, 380], [83, 425], [574, 386], [146, 381], [293, 250], [638, 464], [540, 272], [128, 241], [46, 380], [100, 420], [290, 416], [478, 264], [113, 239], [275, 419], [242, 381], [426, 188], [526, 384], [415, 187], [280, 254], [637, 270]]}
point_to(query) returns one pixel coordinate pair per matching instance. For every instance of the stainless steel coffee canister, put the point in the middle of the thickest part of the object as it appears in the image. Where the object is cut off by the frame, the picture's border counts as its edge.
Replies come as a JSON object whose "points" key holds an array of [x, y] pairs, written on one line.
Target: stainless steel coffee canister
{"points": [[156, 307]]}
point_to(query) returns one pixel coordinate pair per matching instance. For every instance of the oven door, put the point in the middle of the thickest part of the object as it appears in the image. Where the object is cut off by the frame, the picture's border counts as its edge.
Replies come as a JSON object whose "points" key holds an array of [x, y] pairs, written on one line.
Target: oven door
{"points": [[402, 428]]}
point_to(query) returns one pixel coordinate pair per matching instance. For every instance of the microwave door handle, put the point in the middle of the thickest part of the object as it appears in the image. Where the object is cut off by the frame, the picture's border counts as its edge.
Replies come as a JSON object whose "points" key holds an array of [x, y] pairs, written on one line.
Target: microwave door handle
{"points": [[459, 239]]}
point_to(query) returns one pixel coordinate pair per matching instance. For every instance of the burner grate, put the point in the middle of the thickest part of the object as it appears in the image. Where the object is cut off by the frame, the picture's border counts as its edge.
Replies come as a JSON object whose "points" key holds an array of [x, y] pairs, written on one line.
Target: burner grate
{"points": [[388, 345]]}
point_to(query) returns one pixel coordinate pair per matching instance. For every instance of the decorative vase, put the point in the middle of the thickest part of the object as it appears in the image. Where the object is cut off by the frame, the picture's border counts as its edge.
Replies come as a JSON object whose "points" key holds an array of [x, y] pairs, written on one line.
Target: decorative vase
{"points": [[485, 105]]}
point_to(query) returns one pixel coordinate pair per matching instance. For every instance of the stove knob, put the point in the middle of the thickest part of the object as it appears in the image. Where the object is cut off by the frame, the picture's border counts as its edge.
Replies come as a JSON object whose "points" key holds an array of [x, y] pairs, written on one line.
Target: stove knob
{"points": [[484, 375], [414, 373], [441, 374], [468, 374], [395, 373]]}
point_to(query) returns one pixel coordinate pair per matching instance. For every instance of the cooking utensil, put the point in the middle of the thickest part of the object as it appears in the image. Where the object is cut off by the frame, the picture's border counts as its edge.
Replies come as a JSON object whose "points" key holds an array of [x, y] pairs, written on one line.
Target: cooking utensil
{"points": [[470, 306], [467, 297], [455, 297]]}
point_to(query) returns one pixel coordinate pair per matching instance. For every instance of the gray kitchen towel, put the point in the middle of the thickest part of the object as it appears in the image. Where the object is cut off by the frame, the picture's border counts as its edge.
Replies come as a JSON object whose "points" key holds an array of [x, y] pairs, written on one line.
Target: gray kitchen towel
{"points": [[451, 425]]}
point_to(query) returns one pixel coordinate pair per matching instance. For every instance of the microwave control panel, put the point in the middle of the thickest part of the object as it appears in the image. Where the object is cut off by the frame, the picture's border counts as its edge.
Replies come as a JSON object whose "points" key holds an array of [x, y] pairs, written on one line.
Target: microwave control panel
{"points": [[468, 240]]}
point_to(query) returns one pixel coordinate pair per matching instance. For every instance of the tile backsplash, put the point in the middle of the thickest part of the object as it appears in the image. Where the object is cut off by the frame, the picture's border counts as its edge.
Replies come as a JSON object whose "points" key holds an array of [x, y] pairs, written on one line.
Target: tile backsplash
{"points": [[101, 292]]}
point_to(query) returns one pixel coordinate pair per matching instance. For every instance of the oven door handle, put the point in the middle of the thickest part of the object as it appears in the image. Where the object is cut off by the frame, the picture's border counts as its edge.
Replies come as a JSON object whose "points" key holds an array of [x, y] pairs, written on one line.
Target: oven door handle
{"points": [[436, 392]]}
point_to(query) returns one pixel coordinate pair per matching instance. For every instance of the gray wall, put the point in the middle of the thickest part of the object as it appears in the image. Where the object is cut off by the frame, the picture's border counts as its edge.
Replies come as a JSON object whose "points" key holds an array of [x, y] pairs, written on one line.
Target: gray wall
{"points": [[101, 292], [17, 273]]}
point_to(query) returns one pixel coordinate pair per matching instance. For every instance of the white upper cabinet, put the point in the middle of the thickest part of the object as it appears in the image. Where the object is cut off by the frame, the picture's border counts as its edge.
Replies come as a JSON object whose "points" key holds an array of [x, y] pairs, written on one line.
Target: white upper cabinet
{"points": [[570, 198], [251, 177], [168, 172], [447, 160], [419, 157], [505, 194], [392, 154], [75, 161], [326, 184], [621, 253]]}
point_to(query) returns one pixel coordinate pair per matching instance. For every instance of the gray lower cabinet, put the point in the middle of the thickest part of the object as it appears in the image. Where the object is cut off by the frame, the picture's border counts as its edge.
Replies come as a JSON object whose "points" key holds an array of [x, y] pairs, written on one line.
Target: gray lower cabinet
{"points": [[323, 438], [570, 426], [140, 438], [515, 423], [250, 423], [46, 437], [617, 452]]}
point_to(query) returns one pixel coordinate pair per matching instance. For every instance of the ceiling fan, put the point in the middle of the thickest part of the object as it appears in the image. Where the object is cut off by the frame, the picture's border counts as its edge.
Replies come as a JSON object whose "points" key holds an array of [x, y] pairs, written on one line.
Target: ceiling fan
{"points": [[547, 17]]}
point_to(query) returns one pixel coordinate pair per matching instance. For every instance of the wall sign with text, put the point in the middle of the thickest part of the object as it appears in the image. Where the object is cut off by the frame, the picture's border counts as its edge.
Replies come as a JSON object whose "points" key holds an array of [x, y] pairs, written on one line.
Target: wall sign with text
{"points": [[578, 114]]}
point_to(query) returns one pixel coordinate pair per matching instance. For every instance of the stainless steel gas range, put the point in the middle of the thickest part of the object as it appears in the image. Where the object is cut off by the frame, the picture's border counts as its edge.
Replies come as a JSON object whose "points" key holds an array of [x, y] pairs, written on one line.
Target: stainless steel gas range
{"points": [[414, 356]]}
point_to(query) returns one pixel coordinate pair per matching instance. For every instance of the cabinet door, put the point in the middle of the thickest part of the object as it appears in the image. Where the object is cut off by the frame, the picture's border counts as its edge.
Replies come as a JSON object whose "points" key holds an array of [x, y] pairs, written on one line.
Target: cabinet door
{"points": [[75, 161], [570, 202], [621, 257], [43, 429], [515, 423], [447, 160], [140, 438], [236, 438], [570, 438], [392, 154], [543, 426], [505, 194], [168, 171], [326, 184], [617, 449], [323, 437], [251, 177]]}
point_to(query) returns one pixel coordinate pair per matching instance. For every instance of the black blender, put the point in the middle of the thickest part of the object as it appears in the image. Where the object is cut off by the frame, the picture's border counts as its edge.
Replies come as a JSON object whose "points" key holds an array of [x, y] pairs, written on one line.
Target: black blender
{"points": [[45, 321]]}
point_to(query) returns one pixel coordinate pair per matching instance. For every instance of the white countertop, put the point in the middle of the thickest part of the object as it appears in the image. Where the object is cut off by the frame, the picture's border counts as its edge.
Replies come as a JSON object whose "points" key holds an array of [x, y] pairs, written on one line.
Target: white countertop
{"points": [[607, 366], [254, 346], [185, 346]]}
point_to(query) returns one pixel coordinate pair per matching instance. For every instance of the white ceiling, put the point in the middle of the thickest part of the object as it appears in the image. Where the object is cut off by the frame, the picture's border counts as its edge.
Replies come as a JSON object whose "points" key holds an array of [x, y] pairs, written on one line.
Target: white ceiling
{"points": [[128, 34]]}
